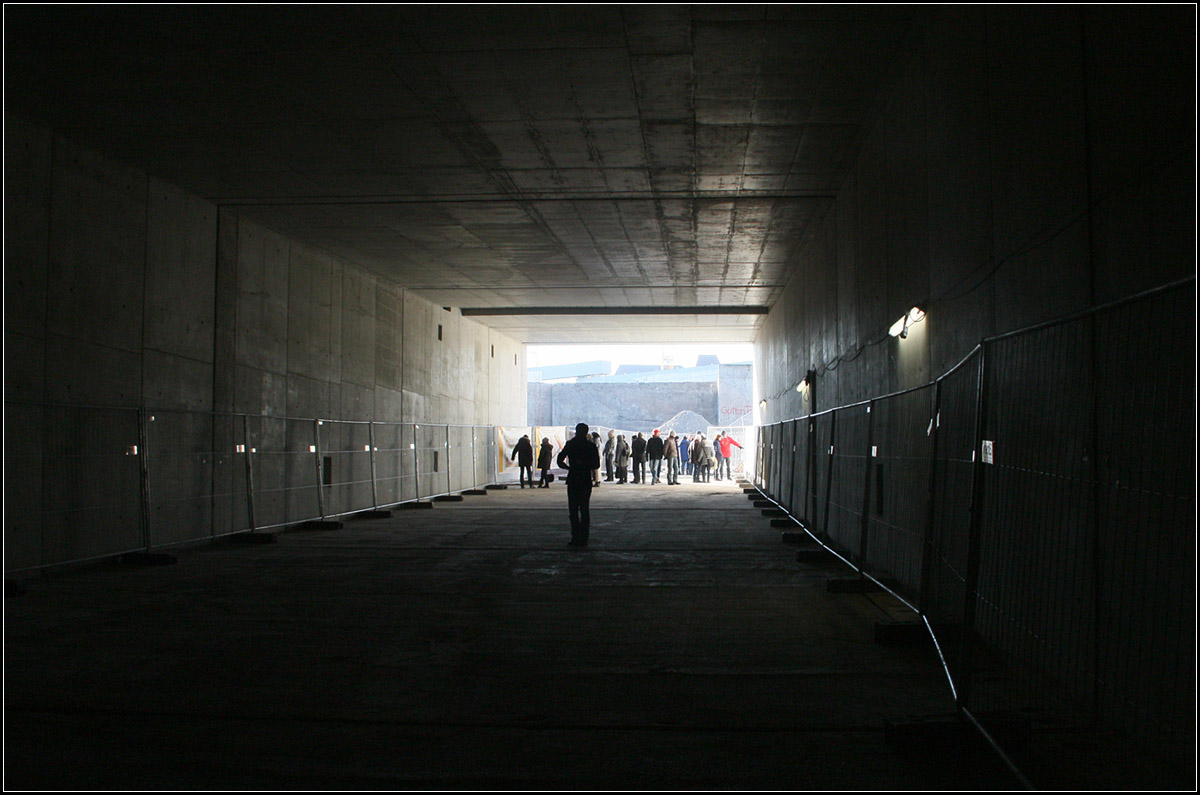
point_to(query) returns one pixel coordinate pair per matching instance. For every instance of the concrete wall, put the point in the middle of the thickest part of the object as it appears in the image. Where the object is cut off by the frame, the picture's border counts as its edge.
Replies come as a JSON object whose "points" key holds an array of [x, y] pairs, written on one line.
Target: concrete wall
{"points": [[1027, 162], [123, 292]]}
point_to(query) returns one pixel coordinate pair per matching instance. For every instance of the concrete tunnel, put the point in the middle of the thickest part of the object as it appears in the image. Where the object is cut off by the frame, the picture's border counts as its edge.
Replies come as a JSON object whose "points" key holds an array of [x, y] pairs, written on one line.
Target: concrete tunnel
{"points": [[270, 274]]}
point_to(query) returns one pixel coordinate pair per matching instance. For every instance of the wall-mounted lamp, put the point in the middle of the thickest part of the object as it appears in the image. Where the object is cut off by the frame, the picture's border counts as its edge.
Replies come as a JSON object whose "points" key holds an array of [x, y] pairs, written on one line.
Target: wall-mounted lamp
{"points": [[806, 384], [762, 404], [911, 317]]}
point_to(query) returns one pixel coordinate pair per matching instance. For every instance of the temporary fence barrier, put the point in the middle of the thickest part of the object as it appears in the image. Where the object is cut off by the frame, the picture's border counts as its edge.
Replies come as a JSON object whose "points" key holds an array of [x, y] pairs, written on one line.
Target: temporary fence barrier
{"points": [[91, 482], [1036, 506]]}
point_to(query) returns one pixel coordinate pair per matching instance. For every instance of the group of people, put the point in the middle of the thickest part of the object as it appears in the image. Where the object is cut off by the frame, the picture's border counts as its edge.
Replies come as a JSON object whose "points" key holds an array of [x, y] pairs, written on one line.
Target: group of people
{"points": [[581, 457], [690, 454]]}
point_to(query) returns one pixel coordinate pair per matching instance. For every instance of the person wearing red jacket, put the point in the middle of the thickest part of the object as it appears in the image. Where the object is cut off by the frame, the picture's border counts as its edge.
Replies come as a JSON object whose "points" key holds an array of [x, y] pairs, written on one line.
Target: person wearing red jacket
{"points": [[727, 443]]}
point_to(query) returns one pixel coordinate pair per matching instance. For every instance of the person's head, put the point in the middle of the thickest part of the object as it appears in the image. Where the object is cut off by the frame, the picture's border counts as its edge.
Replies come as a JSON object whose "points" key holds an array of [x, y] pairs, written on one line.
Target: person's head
{"points": [[672, 436], [639, 434], [656, 431], [611, 434], [581, 429], [701, 437], [545, 440]]}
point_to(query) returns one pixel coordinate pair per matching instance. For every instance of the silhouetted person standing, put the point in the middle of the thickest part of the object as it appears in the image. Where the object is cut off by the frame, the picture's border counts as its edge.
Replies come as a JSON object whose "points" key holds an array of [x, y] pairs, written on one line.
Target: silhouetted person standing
{"points": [[523, 454], [639, 459], [545, 457], [716, 454], [581, 459], [654, 451], [610, 454], [671, 453], [621, 458], [726, 444]]}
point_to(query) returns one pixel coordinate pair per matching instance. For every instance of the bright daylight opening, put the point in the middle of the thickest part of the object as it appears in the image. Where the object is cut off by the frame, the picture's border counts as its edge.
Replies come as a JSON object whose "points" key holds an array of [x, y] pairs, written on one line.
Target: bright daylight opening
{"points": [[687, 388]]}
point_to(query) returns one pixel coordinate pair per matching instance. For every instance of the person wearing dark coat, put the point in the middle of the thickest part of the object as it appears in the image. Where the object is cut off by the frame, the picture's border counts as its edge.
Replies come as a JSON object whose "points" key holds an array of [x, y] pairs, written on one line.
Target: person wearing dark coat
{"points": [[581, 459], [639, 459], [621, 459], [545, 458], [654, 452], [523, 454], [610, 454], [671, 453]]}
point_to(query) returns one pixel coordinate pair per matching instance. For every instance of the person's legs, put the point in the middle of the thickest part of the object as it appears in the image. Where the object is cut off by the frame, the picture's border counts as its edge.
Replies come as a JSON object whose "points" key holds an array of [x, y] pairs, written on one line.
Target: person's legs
{"points": [[608, 467], [585, 515], [573, 510], [578, 497]]}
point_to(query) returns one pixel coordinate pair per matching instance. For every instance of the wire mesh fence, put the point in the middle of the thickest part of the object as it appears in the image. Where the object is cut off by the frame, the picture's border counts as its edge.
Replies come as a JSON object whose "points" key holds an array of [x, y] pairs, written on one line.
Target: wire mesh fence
{"points": [[95, 482], [1037, 505]]}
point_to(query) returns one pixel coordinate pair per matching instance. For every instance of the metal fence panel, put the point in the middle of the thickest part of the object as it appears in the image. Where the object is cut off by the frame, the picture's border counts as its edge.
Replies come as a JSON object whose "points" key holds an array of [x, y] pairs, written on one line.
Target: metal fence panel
{"points": [[1145, 492], [899, 499], [955, 426], [181, 472], [91, 493], [847, 463], [1034, 603]]}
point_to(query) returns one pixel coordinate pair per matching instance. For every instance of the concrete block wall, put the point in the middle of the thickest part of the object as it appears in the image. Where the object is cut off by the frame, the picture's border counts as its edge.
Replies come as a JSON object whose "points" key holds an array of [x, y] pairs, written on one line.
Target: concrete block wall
{"points": [[1026, 163], [126, 292]]}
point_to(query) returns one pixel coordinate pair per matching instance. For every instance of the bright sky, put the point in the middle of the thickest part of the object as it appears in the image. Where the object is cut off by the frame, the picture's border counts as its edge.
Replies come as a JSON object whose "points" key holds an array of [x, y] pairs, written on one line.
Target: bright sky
{"points": [[679, 355]]}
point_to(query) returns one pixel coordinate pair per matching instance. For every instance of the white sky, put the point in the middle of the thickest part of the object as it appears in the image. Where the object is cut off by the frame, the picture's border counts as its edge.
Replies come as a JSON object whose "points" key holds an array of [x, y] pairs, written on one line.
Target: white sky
{"points": [[680, 355]]}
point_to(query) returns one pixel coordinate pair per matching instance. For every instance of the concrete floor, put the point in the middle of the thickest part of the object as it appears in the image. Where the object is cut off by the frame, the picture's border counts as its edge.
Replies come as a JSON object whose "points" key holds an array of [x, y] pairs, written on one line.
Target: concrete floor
{"points": [[467, 647]]}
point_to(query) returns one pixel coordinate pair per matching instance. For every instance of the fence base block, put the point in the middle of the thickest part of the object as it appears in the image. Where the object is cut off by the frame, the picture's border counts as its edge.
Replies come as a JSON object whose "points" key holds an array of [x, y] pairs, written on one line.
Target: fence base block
{"points": [[497, 486], [318, 524], [774, 513], [476, 492], [749, 490], [148, 559], [415, 506], [763, 504], [253, 538], [855, 585], [812, 554], [782, 523], [952, 736], [372, 515], [795, 536], [448, 498], [901, 633]]}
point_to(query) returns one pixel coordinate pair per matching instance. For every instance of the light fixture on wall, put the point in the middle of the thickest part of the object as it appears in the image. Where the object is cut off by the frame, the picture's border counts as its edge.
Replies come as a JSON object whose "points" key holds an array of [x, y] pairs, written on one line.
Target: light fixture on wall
{"points": [[806, 384], [762, 404], [908, 320]]}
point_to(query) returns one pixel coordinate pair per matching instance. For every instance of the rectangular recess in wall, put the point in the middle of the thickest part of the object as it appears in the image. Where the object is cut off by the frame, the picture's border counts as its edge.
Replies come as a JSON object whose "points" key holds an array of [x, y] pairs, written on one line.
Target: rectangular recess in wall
{"points": [[327, 470], [439, 332]]}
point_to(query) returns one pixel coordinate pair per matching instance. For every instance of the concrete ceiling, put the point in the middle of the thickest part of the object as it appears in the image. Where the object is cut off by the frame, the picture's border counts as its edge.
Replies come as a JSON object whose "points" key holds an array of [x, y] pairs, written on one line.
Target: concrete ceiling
{"points": [[658, 164]]}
